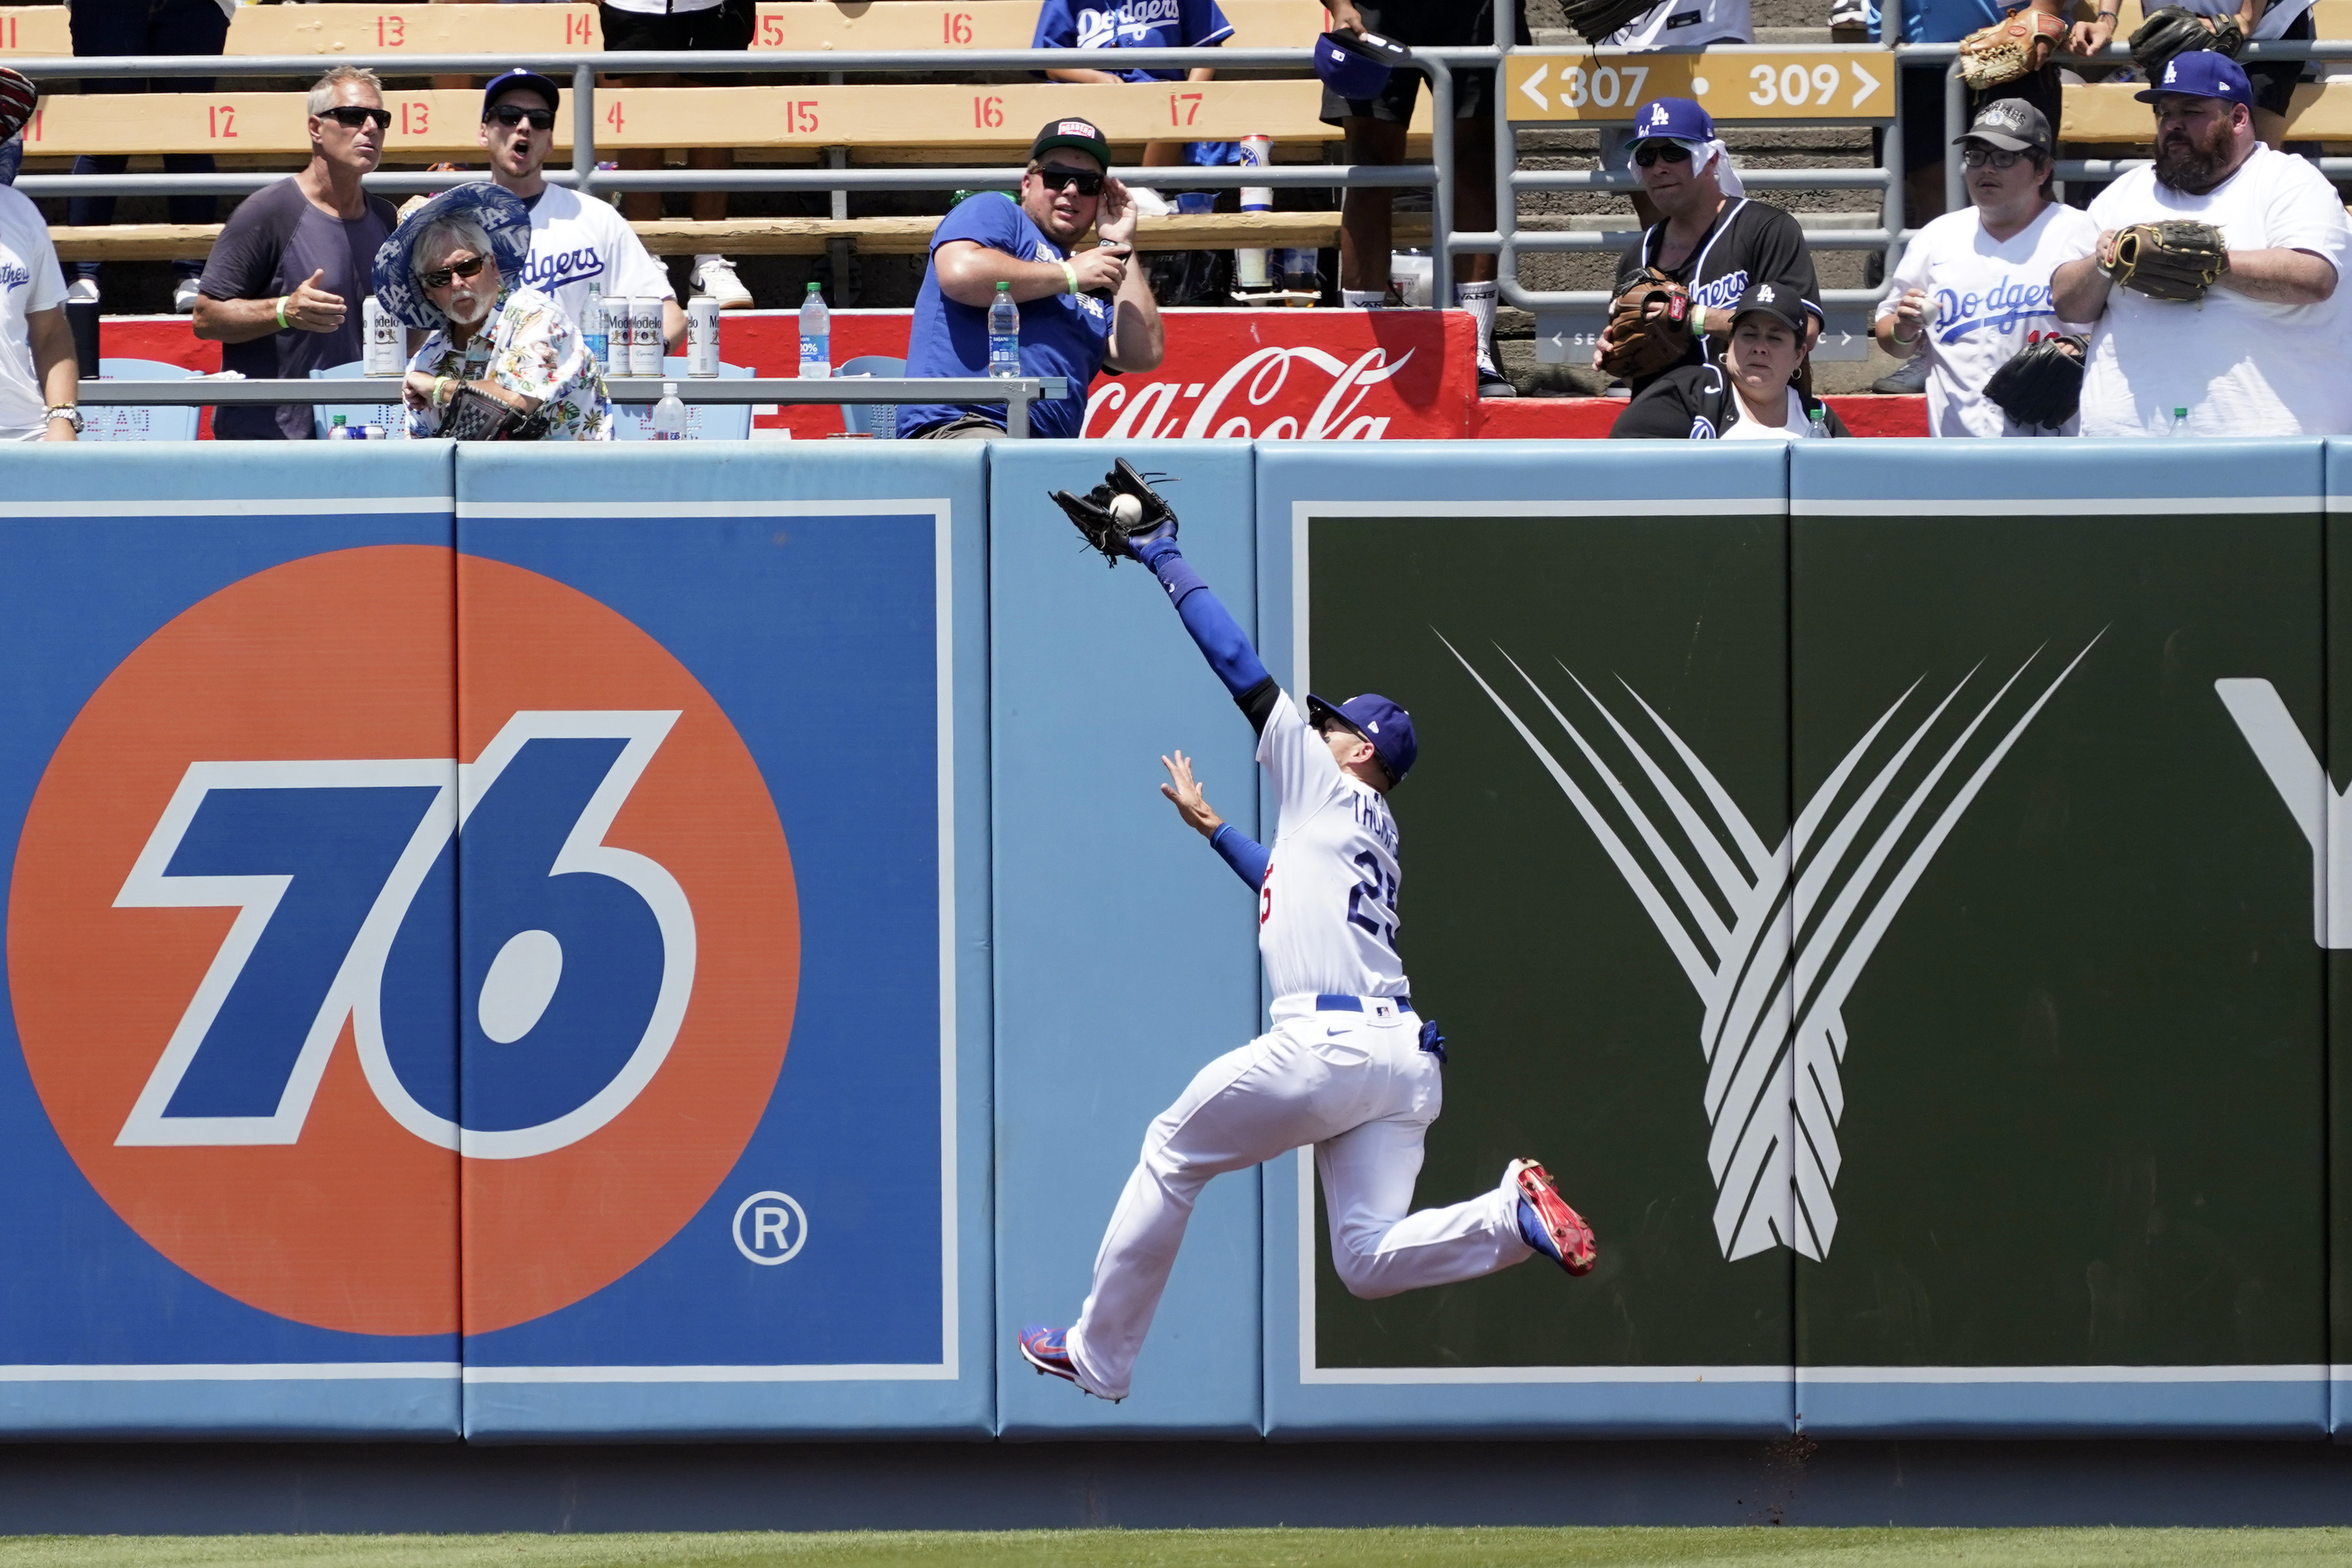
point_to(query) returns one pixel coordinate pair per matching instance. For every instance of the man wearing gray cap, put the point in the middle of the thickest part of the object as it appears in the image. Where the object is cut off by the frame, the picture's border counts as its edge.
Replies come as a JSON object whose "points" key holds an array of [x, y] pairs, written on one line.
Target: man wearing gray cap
{"points": [[1973, 290]]}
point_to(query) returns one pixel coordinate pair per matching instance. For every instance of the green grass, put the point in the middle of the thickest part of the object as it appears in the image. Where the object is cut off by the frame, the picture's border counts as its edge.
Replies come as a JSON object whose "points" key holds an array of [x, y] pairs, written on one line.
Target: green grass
{"points": [[1500, 1547]]}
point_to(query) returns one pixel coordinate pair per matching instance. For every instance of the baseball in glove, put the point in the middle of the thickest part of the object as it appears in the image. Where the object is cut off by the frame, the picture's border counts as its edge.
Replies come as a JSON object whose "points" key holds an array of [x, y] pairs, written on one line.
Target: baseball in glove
{"points": [[1649, 326], [2176, 259], [1119, 514], [2041, 384], [2171, 30], [2016, 46], [1596, 19]]}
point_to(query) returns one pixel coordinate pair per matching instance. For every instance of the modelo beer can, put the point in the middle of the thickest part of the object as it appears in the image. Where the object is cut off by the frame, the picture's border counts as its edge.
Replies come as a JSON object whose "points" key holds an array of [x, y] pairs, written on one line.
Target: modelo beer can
{"points": [[701, 336], [645, 337], [1249, 263], [383, 353]]}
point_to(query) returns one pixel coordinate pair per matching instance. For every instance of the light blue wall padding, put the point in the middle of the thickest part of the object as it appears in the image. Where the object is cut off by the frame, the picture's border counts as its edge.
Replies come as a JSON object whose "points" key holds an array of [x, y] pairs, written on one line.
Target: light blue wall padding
{"points": [[799, 585], [1927, 471], [99, 547], [1551, 479], [1127, 953], [2139, 1402]]}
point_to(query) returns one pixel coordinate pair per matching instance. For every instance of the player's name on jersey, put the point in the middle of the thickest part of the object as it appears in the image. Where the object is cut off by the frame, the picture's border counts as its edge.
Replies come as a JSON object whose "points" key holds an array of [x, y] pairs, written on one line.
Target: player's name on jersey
{"points": [[1758, 84]]}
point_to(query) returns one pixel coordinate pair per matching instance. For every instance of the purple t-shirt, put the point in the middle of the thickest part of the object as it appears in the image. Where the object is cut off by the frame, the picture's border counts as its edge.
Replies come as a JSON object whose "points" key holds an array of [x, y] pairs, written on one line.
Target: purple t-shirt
{"points": [[270, 244]]}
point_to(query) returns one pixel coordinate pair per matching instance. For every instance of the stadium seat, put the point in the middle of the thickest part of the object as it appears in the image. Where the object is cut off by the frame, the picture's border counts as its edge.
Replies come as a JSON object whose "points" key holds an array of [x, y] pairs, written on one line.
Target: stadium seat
{"points": [[879, 420], [704, 421], [135, 422], [358, 416]]}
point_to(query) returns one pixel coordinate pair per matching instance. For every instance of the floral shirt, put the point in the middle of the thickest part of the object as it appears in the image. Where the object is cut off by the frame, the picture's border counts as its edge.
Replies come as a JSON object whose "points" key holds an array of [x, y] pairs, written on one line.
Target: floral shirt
{"points": [[531, 347]]}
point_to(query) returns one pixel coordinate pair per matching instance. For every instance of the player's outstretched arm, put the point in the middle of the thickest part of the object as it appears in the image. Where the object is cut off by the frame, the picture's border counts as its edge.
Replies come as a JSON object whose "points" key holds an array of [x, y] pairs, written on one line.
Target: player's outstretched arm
{"points": [[1219, 637], [1245, 855]]}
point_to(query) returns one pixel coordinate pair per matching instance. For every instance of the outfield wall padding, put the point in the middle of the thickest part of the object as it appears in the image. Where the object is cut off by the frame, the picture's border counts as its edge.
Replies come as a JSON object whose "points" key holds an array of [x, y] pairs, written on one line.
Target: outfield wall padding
{"points": [[534, 944]]}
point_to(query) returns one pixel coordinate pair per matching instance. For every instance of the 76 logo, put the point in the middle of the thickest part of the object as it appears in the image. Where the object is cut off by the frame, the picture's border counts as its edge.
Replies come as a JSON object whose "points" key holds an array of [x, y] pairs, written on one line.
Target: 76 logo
{"points": [[511, 1025]]}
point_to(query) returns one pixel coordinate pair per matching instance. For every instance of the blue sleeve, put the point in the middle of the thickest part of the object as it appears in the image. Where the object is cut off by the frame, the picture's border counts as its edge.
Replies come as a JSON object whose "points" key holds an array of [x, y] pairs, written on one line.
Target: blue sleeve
{"points": [[1245, 855], [991, 218], [1204, 24], [1221, 638], [1056, 27]]}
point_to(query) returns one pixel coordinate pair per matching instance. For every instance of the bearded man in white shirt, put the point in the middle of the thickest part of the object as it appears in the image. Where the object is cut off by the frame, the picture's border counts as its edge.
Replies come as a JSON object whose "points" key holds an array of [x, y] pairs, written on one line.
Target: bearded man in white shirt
{"points": [[2262, 353], [1973, 290]]}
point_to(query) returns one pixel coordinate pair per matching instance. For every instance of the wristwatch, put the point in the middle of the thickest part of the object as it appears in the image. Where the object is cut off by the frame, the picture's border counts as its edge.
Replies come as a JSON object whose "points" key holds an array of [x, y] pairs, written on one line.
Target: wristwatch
{"points": [[66, 412]]}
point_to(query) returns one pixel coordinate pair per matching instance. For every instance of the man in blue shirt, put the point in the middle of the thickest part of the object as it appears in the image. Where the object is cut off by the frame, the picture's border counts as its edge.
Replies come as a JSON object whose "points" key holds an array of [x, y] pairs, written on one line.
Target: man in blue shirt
{"points": [[1078, 312]]}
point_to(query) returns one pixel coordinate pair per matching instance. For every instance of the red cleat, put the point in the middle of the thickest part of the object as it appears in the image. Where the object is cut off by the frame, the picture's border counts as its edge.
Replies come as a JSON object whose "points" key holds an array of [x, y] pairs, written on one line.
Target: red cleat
{"points": [[1545, 1221]]}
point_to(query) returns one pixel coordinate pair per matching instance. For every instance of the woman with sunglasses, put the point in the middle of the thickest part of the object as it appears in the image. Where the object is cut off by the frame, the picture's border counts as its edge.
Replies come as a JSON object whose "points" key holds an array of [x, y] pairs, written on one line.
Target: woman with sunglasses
{"points": [[1973, 290], [503, 362]]}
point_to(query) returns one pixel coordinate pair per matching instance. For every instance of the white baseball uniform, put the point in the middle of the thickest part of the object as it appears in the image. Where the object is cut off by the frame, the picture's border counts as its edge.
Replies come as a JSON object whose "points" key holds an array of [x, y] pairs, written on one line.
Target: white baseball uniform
{"points": [[1342, 1069]]}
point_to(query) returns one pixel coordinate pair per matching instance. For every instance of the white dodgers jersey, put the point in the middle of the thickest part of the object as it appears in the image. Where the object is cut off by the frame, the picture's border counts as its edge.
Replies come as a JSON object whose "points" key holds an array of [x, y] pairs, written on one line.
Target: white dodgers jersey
{"points": [[1328, 910]]}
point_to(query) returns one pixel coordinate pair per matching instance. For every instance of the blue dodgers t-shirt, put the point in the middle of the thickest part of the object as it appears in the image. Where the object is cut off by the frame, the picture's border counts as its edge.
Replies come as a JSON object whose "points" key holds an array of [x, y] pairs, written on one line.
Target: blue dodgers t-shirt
{"points": [[1061, 335], [1131, 24]]}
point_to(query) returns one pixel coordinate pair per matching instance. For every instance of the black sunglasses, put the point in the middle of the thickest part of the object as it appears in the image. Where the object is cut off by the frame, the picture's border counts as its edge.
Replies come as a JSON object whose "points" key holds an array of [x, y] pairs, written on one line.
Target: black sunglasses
{"points": [[1649, 152], [440, 278], [350, 117], [1058, 179], [513, 114]]}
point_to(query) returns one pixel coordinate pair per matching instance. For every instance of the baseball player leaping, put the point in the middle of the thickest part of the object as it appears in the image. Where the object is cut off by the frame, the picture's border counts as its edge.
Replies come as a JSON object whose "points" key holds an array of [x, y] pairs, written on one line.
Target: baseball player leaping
{"points": [[1348, 1066]]}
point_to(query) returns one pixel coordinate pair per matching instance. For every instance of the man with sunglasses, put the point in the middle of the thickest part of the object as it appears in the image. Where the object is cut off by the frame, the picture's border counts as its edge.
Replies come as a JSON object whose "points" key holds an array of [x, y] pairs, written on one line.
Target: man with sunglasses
{"points": [[281, 290], [1080, 309], [1713, 239], [1973, 290], [575, 241]]}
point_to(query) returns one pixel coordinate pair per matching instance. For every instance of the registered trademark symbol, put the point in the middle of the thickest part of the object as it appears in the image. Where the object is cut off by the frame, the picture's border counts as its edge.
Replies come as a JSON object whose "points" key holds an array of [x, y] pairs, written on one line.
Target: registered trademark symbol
{"points": [[777, 1227]]}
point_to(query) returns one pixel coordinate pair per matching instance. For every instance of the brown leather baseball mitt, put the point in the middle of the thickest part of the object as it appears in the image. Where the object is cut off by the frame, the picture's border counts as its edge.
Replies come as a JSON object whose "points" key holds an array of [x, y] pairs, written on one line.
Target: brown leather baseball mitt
{"points": [[1649, 326], [2177, 260], [2016, 46]]}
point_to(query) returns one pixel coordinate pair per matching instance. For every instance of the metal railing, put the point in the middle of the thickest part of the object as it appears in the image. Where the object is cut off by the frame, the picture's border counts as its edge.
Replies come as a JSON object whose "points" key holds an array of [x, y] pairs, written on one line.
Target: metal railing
{"points": [[1016, 392]]}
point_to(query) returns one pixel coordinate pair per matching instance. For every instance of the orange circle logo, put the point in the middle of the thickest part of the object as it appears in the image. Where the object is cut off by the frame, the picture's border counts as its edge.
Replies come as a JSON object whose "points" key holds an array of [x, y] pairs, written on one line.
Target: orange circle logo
{"points": [[340, 929]]}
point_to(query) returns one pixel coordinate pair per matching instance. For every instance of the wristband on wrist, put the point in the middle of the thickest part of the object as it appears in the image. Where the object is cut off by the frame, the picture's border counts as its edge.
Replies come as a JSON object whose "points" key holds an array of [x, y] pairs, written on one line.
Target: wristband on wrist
{"points": [[284, 300], [1697, 319], [443, 386], [1069, 279]]}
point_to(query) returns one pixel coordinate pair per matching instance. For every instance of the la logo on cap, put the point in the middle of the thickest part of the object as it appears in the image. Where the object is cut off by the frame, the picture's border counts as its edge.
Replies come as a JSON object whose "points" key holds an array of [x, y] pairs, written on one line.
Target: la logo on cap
{"points": [[2171, 72], [1764, 295], [1657, 115]]}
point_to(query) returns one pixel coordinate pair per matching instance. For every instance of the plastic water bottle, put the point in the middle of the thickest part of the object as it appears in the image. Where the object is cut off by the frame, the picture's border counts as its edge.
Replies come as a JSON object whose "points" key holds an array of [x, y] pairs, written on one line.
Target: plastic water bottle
{"points": [[1004, 334], [339, 429], [816, 337], [669, 415], [594, 333], [2179, 422]]}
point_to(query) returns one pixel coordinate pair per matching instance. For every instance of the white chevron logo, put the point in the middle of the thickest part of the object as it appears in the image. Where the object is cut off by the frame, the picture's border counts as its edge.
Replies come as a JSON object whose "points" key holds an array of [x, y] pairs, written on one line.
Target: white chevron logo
{"points": [[1773, 967]]}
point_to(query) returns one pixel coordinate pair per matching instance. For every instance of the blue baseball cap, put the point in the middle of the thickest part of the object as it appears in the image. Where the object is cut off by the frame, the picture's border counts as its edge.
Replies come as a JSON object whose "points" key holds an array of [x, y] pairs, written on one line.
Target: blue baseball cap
{"points": [[1357, 65], [1387, 726], [2201, 73], [519, 76], [1672, 120]]}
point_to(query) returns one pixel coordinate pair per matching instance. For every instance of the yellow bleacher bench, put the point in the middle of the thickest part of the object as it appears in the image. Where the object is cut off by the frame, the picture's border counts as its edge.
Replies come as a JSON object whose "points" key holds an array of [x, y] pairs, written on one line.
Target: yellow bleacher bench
{"points": [[898, 115], [362, 31], [2319, 112]]}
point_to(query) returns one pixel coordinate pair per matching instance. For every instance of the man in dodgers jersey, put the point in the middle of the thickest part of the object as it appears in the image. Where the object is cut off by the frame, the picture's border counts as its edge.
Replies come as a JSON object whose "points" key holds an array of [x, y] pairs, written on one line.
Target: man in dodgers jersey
{"points": [[575, 240], [2262, 353], [1348, 1067], [1974, 289]]}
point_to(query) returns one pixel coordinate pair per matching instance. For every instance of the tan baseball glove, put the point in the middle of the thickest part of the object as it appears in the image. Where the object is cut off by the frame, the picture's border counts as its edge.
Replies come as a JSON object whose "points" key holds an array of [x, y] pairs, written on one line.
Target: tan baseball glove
{"points": [[2016, 46]]}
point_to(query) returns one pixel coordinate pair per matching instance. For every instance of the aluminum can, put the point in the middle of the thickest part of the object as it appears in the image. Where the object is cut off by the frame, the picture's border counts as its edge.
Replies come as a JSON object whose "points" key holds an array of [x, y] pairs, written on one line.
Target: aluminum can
{"points": [[645, 337], [701, 336], [383, 352]]}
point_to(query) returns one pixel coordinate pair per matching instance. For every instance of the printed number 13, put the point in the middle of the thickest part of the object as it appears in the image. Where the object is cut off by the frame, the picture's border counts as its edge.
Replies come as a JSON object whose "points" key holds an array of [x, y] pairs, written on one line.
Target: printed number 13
{"points": [[1375, 889]]}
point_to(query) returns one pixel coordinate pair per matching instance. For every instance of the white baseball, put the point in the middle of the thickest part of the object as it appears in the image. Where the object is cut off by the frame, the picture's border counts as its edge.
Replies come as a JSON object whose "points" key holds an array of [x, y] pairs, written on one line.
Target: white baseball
{"points": [[1127, 509]]}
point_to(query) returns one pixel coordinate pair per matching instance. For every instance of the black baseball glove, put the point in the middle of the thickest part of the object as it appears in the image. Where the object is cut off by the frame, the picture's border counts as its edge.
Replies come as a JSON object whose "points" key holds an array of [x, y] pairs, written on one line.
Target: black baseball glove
{"points": [[1098, 513], [1596, 19], [2041, 384], [2170, 30]]}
